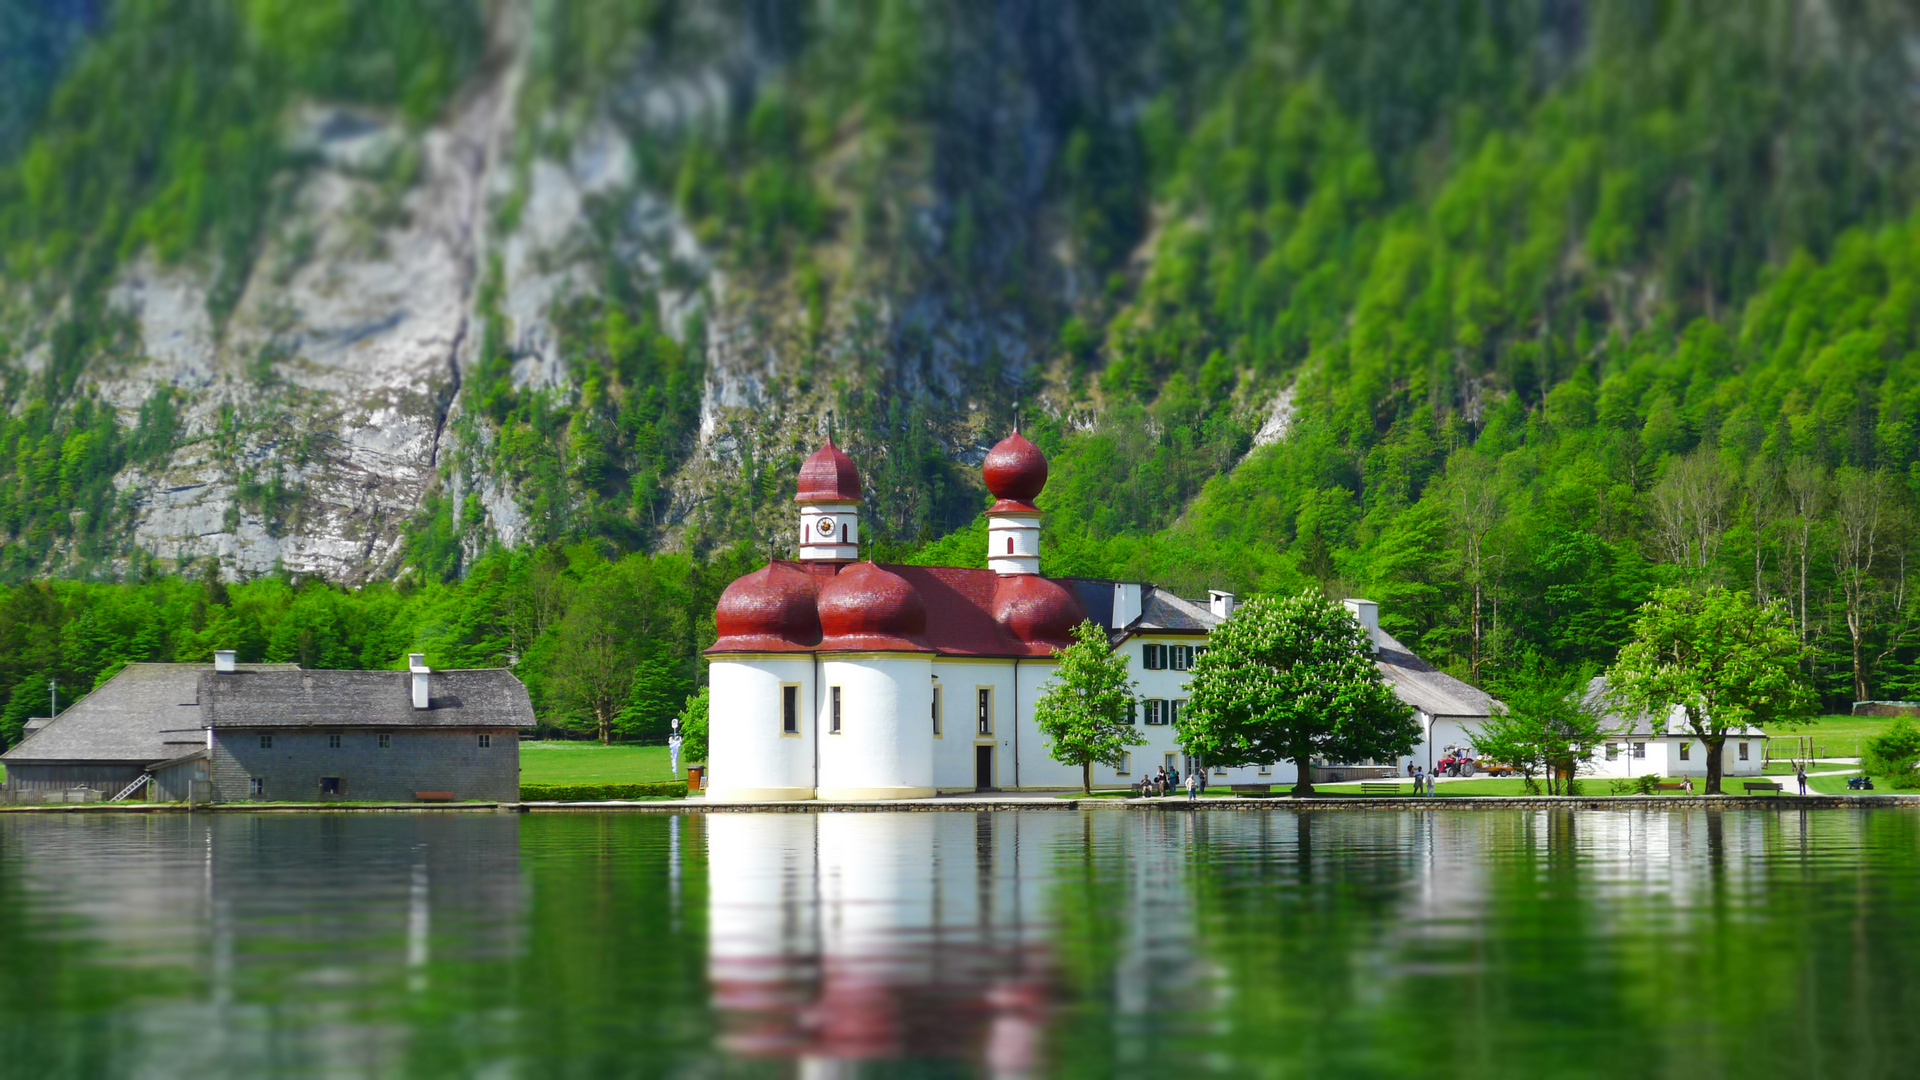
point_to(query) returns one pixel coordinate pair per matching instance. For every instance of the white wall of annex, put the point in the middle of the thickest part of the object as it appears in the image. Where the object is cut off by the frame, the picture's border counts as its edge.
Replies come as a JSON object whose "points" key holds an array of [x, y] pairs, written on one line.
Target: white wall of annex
{"points": [[885, 745], [960, 683], [748, 757]]}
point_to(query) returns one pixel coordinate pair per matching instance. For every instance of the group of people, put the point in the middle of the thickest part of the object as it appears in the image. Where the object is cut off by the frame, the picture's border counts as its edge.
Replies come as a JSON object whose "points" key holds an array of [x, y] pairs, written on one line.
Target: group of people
{"points": [[1166, 781]]}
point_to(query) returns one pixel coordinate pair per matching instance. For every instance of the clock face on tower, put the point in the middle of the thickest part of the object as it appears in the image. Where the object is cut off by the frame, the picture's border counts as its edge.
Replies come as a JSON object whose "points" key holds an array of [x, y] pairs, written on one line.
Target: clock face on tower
{"points": [[825, 525]]}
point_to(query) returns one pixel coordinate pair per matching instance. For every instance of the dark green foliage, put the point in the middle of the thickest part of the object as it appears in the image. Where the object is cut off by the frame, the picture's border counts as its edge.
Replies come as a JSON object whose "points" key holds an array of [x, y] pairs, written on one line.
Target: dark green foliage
{"points": [[1893, 753], [665, 789], [509, 610]]}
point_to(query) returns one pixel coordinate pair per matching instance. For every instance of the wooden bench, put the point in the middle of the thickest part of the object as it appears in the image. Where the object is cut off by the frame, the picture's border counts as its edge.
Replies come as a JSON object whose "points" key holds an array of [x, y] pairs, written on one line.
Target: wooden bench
{"points": [[1763, 785], [1380, 789], [433, 796], [1669, 787], [1252, 791]]}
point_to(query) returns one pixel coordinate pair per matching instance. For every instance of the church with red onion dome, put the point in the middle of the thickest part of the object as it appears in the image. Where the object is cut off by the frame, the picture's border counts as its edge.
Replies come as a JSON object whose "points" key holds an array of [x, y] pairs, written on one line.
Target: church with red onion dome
{"points": [[836, 678]]}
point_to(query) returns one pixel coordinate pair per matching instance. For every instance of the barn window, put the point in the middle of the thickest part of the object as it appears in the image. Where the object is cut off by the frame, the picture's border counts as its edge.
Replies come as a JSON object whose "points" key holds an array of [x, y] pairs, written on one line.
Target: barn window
{"points": [[333, 742], [486, 740], [332, 785], [256, 786], [266, 742], [386, 741]]}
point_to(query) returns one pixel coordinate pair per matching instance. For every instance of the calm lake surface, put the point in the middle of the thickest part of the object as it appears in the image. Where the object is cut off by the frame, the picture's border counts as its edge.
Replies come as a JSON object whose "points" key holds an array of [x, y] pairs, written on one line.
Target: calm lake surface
{"points": [[1036, 943]]}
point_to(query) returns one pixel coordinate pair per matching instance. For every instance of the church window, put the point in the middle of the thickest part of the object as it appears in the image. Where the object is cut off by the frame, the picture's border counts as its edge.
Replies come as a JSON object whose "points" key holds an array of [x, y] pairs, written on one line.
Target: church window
{"points": [[1009, 545], [1686, 751], [985, 710], [790, 709], [936, 712], [833, 719]]}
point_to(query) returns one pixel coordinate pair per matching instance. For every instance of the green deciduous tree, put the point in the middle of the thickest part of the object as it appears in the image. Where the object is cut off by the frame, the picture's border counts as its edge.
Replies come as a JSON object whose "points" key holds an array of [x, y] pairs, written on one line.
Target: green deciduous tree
{"points": [[1292, 678], [1547, 727], [1723, 660], [1086, 712], [693, 727]]}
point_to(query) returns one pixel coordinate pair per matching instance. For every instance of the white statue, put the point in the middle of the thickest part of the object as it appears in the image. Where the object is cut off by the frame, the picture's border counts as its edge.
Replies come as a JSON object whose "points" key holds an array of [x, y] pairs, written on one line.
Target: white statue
{"points": [[673, 750]]}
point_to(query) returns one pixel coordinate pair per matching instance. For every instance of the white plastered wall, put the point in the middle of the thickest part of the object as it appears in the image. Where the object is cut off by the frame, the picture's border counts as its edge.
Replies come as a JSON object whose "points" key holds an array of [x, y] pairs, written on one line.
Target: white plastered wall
{"points": [[749, 759], [1038, 769], [954, 752], [960, 740], [884, 749]]}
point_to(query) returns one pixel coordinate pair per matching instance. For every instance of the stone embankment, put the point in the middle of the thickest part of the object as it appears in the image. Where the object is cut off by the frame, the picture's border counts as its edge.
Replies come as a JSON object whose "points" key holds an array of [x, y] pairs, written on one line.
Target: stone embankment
{"points": [[1169, 804]]}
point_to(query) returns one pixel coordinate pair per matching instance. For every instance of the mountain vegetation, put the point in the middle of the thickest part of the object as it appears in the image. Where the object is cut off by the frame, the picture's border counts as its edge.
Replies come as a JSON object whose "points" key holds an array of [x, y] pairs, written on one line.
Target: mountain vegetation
{"points": [[1504, 315]]}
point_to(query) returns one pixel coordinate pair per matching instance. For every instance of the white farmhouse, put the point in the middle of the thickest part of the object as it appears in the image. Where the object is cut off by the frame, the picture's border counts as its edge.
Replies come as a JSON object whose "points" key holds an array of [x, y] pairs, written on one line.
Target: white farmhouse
{"points": [[1634, 746]]}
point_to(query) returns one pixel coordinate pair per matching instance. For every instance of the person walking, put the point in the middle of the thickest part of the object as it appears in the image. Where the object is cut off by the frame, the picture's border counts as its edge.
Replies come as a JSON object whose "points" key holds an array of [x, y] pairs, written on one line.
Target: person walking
{"points": [[1193, 787], [1419, 780], [1800, 774]]}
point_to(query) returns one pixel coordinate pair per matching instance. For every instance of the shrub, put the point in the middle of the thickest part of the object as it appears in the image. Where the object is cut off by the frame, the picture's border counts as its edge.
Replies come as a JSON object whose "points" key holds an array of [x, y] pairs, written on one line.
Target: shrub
{"points": [[1893, 754], [601, 792]]}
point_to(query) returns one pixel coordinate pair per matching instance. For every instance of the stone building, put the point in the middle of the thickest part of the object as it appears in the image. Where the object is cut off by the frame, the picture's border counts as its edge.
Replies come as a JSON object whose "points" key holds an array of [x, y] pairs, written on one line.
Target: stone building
{"points": [[276, 732]]}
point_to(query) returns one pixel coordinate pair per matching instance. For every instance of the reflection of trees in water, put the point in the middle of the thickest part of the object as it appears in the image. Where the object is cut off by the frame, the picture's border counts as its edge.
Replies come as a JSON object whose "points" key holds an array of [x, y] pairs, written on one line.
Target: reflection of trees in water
{"points": [[1071, 943], [1536, 944]]}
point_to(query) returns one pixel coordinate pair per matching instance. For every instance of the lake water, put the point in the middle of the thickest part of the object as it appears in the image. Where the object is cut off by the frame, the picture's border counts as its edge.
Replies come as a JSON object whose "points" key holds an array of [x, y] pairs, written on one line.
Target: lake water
{"points": [[1330, 943]]}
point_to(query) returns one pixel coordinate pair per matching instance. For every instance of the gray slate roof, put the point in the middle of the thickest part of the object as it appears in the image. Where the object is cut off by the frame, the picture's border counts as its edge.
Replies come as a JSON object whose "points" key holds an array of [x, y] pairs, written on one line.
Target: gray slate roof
{"points": [[1614, 721], [1161, 610], [147, 712], [1427, 688], [473, 698]]}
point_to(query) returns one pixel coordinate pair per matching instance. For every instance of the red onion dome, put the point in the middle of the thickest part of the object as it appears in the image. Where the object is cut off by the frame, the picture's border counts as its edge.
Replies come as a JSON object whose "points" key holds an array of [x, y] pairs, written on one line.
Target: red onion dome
{"points": [[1015, 471], [865, 607], [1036, 610], [828, 477], [770, 610]]}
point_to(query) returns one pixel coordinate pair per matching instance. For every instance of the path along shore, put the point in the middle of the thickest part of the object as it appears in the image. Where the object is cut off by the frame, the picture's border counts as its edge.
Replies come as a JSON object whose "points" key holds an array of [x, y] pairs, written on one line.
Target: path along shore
{"points": [[1039, 801]]}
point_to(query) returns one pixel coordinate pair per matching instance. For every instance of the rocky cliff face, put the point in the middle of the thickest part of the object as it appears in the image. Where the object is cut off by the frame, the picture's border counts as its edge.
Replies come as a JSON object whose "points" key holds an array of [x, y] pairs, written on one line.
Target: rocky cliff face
{"points": [[319, 417]]}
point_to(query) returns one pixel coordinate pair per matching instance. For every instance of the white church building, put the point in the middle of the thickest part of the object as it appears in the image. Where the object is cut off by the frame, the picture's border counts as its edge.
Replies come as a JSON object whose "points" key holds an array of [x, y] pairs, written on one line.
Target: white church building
{"points": [[845, 680]]}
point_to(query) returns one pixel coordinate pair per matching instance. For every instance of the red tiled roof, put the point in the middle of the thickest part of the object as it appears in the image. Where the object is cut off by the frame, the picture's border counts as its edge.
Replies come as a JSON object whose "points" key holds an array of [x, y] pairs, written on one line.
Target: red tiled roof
{"points": [[960, 603]]}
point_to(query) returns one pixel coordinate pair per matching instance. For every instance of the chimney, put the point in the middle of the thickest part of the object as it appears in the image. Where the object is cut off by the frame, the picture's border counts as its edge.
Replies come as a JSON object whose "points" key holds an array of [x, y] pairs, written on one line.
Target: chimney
{"points": [[1367, 614], [1126, 603], [223, 661], [1220, 603], [417, 664]]}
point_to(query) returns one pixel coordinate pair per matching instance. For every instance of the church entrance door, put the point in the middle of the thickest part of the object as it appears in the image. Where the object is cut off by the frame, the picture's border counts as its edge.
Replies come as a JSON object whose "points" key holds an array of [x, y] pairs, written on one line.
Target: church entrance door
{"points": [[983, 768]]}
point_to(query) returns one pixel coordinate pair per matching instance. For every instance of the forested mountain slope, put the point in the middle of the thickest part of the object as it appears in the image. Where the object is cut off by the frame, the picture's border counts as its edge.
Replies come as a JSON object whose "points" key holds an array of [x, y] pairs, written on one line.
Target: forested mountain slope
{"points": [[1500, 313]]}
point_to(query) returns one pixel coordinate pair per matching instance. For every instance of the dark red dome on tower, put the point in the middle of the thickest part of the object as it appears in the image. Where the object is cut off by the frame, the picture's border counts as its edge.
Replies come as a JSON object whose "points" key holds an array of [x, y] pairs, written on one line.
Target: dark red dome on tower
{"points": [[1036, 610], [769, 610], [1015, 471], [828, 477], [865, 607]]}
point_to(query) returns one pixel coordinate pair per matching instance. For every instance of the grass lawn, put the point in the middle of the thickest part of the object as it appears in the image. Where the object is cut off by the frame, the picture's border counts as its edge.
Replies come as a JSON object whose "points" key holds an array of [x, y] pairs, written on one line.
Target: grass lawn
{"points": [[554, 762], [1833, 736]]}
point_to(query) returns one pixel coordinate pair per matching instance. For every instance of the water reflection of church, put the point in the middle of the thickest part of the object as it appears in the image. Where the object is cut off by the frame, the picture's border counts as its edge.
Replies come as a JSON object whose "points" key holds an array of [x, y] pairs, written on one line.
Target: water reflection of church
{"points": [[841, 938]]}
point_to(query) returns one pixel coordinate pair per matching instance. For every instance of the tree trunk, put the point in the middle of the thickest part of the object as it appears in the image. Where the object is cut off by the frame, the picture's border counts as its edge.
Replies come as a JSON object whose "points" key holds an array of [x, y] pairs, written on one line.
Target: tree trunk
{"points": [[1715, 744], [605, 723], [1303, 775], [1857, 631], [1086, 778]]}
